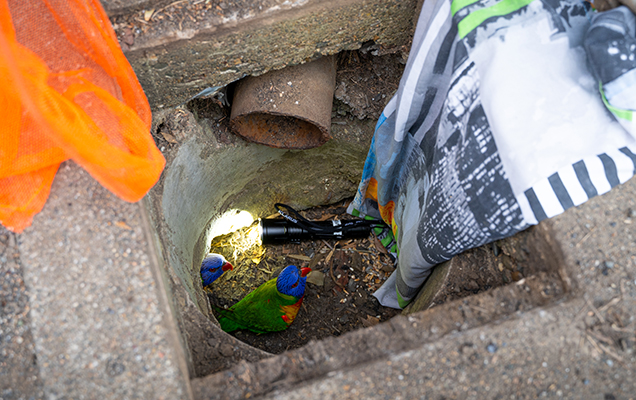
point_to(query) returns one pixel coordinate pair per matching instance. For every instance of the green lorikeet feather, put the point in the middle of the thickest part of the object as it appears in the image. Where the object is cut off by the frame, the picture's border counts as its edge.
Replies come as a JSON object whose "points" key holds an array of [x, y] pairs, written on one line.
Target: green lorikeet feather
{"points": [[265, 309]]}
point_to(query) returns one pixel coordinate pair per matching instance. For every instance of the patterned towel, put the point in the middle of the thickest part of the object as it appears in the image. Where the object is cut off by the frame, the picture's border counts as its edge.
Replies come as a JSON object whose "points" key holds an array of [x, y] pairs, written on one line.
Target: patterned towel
{"points": [[498, 124]]}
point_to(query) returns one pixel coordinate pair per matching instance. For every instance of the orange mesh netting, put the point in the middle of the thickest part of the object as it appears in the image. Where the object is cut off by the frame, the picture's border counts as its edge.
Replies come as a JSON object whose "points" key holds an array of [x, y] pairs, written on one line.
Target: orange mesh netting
{"points": [[67, 91]]}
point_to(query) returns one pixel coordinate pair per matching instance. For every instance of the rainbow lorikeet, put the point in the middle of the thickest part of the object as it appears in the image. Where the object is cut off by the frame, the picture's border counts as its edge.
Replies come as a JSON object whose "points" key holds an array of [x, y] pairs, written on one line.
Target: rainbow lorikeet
{"points": [[270, 307], [212, 267]]}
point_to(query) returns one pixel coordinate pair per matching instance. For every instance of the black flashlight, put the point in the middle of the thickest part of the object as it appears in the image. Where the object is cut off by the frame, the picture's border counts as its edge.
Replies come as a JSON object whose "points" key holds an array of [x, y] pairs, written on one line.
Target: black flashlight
{"points": [[296, 228], [277, 231]]}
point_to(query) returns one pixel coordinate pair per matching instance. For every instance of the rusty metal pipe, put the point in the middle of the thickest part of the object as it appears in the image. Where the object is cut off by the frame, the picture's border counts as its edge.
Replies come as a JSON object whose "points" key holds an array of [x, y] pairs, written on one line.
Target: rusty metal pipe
{"points": [[289, 108]]}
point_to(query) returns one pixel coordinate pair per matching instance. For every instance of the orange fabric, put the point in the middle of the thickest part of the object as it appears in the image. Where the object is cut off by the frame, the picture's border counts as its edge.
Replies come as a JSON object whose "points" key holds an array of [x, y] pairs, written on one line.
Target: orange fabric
{"points": [[387, 210], [67, 91]]}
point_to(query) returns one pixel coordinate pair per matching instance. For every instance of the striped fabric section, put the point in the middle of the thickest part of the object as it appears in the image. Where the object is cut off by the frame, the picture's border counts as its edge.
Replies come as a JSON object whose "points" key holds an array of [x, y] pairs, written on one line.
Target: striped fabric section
{"points": [[577, 183], [414, 68]]}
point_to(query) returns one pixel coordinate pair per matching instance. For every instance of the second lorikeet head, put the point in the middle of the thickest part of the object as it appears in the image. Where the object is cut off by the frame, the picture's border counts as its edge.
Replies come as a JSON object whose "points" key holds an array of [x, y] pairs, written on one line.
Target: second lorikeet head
{"points": [[212, 267], [291, 281]]}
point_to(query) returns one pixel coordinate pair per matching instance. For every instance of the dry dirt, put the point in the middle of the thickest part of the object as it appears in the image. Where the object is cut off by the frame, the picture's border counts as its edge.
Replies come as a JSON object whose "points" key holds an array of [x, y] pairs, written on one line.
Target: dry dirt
{"points": [[338, 294]]}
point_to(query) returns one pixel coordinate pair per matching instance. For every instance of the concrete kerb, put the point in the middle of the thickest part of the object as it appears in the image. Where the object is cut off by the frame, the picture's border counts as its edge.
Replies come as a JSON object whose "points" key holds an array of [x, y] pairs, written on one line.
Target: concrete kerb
{"points": [[185, 48], [100, 324]]}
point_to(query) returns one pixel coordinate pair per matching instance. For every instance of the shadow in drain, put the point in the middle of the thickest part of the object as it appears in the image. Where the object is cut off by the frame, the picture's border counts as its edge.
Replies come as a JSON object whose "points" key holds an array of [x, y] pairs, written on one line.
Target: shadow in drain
{"points": [[345, 273]]}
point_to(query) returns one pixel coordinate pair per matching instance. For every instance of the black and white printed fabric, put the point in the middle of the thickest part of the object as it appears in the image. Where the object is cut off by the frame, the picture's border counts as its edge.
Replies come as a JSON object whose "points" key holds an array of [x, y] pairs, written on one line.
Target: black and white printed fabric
{"points": [[498, 123], [611, 48]]}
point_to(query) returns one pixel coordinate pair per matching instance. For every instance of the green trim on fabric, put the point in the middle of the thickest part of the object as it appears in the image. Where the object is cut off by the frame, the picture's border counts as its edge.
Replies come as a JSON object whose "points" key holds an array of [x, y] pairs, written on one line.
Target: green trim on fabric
{"points": [[476, 18], [401, 302], [387, 239], [355, 213], [627, 115], [457, 5]]}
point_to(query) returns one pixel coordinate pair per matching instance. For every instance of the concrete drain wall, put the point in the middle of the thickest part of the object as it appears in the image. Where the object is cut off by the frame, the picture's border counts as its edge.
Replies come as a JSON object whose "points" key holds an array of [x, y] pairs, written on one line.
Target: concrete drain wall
{"points": [[210, 173]]}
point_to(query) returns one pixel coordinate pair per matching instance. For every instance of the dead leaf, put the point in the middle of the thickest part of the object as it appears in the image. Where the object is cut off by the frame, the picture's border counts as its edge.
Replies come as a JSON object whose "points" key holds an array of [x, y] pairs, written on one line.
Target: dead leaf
{"points": [[123, 225], [314, 261], [326, 217], [387, 268], [343, 280], [169, 137], [128, 36], [316, 277], [379, 245], [148, 14], [299, 257], [329, 255], [369, 321]]}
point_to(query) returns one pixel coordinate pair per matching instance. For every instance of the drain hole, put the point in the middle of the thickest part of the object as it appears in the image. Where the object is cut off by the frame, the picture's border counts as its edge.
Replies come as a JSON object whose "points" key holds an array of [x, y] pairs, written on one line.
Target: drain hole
{"points": [[210, 170]]}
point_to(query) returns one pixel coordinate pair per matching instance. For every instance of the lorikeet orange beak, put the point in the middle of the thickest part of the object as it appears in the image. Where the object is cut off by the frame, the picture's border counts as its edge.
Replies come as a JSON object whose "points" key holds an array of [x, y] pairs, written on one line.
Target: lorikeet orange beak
{"points": [[304, 271], [227, 267]]}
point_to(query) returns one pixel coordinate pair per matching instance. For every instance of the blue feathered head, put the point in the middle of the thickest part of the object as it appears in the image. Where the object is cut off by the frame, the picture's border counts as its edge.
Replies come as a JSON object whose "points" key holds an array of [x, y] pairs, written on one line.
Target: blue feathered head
{"points": [[212, 267], [291, 281]]}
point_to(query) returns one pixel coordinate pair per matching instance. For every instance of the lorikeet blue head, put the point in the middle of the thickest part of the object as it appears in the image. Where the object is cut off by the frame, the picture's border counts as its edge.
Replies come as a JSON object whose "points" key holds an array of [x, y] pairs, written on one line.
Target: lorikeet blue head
{"points": [[212, 267], [291, 281]]}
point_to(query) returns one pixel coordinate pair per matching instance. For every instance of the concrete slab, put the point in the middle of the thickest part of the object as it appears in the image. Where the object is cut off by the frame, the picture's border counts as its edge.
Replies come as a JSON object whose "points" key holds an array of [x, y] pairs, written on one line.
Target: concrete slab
{"points": [[19, 373], [98, 313], [118, 7], [179, 50], [544, 353]]}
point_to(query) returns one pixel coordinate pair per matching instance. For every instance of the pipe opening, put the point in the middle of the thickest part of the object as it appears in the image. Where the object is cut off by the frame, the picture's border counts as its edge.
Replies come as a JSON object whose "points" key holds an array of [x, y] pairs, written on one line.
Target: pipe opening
{"points": [[288, 108], [280, 131]]}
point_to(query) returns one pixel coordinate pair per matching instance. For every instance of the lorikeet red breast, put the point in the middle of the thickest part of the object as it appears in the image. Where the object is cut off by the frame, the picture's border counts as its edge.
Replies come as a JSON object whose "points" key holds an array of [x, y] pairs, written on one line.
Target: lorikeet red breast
{"points": [[271, 307]]}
